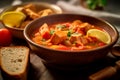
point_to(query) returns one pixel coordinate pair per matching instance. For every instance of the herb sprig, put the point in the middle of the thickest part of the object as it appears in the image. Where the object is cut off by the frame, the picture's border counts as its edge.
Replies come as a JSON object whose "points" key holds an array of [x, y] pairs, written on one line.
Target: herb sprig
{"points": [[93, 4]]}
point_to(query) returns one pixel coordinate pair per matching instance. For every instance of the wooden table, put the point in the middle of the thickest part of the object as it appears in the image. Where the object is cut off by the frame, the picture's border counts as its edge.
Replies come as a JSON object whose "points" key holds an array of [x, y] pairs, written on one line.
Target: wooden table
{"points": [[38, 71]]}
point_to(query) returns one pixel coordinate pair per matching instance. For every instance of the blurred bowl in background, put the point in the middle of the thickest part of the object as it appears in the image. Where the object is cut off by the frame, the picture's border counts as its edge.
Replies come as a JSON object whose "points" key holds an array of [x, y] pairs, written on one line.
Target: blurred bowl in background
{"points": [[39, 6]]}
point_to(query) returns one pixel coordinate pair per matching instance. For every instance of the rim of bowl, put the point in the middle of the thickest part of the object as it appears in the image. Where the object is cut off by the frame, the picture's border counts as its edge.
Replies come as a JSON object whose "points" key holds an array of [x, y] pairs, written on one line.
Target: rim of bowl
{"points": [[52, 6], [106, 22]]}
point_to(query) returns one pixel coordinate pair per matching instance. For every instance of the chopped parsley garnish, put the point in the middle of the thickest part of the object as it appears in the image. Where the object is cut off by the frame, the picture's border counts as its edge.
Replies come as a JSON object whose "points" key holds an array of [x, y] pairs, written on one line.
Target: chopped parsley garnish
{"points": [[59, 26], [52, 32], [69, 33]]}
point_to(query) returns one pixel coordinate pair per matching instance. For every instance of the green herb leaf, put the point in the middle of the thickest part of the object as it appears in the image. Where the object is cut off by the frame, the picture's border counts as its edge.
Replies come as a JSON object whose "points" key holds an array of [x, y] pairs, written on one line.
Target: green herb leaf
{"points": [[92, 4], [69, 33], [52, 32], [60, 26], [102, 3]]}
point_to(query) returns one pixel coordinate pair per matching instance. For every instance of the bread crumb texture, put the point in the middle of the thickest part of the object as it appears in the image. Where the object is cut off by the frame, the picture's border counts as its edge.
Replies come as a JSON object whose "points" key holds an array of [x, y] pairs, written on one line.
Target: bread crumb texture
{"points": [[14, 59]]}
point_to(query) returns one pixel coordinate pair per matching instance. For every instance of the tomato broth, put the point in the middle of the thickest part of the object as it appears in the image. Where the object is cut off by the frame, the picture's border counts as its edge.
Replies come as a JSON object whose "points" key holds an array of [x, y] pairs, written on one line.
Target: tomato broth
{"points": [[67, 36]]}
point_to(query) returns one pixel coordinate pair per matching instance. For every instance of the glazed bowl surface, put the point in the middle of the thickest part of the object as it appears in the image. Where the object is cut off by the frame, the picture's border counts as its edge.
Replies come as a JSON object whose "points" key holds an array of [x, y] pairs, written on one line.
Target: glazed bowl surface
{"points": [[64, 57]]}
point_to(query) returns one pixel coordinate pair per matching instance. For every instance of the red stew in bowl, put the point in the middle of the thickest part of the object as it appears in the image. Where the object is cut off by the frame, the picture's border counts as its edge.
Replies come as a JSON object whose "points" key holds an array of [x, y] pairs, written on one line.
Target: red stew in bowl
{"points": [[67, 36]]}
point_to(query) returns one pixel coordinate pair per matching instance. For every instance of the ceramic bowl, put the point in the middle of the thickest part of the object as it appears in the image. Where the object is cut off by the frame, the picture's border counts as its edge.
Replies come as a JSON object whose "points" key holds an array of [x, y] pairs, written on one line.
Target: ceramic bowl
{"points": [[59, 57]]}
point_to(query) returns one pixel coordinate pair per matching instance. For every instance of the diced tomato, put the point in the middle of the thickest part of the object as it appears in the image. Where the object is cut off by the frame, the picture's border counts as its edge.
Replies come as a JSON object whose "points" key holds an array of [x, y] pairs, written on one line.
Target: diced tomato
{"points": [[81, 32], [46, 35], [94, 39], [79, 44], [101, 44], [67, 24], [44, 31]]}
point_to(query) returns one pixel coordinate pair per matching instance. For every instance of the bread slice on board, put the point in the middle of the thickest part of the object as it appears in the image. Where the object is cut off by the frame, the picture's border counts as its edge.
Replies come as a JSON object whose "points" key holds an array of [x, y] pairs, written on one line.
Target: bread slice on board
{"points": [[14, 62]]}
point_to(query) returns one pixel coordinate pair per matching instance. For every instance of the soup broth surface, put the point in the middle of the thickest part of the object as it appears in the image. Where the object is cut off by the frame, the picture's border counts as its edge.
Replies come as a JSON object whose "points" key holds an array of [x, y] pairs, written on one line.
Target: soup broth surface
{"points": [[68, 36]]}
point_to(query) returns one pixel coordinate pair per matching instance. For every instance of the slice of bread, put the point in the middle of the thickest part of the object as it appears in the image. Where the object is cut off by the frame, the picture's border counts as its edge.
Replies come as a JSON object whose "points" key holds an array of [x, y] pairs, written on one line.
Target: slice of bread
{"points": [[14, 61]]}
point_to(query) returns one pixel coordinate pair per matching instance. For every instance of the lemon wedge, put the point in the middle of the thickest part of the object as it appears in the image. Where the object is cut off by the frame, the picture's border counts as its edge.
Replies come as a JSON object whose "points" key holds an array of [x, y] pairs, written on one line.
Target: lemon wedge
{"points": [[101, 35], [12, 18]]}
